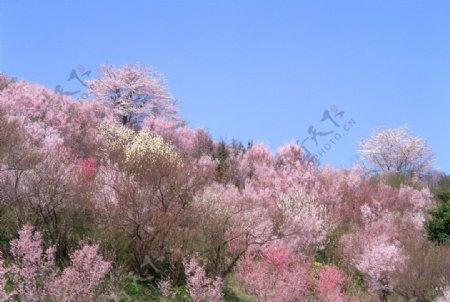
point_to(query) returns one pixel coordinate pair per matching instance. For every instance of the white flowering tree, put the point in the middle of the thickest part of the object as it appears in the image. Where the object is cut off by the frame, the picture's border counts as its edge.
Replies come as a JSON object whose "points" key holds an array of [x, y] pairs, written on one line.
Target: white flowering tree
{"points": [[395, 151], [133, 91]]}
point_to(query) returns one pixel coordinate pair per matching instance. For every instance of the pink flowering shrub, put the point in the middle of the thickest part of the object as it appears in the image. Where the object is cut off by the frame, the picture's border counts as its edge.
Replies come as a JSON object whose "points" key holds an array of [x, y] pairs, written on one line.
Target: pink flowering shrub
{"points": [[32, 269], [35, 276], [275, 274], [331, 283], [77, 282], [201, 288], [408, 204], [376, 252]]}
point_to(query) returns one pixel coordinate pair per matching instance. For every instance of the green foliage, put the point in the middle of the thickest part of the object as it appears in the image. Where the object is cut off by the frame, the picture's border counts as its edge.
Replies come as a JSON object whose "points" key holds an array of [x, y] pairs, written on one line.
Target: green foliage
{"points": [[139, 289], [222, 153], [81, 227], [233, 292], [221, 156], [117, 243], [438, 227], [82, 223], [135, 288], [330, 253], [444, 196], [7, 233]]}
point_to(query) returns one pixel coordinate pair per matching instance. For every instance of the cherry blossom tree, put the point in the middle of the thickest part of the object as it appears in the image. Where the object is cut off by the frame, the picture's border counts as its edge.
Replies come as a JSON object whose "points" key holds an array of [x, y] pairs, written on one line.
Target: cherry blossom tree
{"points": [[77, 282], [32, 268], [395, 151], [35, 276], [133, 91], [376, 252]]}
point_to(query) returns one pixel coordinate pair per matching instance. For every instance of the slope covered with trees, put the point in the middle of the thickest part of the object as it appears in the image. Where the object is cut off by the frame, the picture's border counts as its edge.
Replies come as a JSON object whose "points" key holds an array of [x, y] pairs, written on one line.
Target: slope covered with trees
{"points": [[117, 199]]}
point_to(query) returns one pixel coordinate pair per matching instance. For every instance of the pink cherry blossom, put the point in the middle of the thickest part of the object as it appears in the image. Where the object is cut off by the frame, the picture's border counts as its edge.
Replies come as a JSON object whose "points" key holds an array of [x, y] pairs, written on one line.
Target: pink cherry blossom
{"points": [[201, 288]]}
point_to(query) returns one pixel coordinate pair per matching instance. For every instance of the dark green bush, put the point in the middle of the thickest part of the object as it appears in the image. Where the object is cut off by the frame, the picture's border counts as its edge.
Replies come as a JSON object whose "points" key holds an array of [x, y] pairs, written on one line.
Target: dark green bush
{"points": [[438, 226]]}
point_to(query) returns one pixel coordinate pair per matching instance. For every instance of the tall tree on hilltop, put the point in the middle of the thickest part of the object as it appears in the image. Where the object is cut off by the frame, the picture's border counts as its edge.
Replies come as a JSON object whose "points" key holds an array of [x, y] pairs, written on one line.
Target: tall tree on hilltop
{"points": [[134, 92]]}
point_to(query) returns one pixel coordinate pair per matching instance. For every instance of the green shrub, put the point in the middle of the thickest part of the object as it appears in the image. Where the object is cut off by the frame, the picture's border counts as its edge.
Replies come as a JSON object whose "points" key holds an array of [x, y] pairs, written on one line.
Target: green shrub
{"points": [[438, 226]]}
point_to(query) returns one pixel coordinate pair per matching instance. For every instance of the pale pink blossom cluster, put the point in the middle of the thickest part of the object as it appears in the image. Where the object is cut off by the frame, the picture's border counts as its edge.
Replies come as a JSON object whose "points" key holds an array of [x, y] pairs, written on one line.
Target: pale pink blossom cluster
{"points": [[376, 252], [408, 203], [77, 282], [305, 222], [132, 91], [51, 119], [35, 276], [194, 143], [201, 288], [32, 268]]}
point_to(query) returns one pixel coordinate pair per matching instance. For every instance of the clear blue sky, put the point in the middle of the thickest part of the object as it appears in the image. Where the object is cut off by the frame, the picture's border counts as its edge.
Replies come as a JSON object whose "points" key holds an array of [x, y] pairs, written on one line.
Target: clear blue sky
{"points": [[260, 70]]}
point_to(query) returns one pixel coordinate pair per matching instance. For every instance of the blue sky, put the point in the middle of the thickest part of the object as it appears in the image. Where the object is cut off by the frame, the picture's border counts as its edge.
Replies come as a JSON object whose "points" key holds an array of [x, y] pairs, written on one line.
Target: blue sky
{"points": [[257, 70]]}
